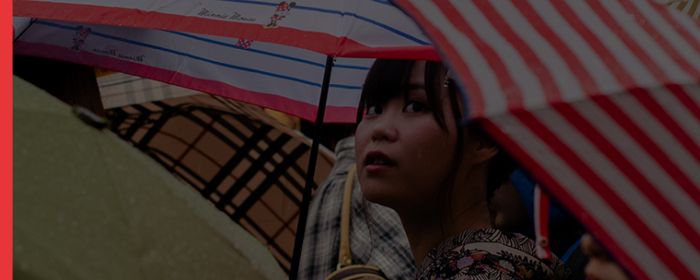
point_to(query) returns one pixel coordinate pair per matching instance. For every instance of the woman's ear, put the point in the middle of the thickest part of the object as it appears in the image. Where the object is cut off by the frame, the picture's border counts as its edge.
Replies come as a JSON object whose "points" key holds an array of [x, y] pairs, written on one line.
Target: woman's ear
{"points": [[481, 151]]}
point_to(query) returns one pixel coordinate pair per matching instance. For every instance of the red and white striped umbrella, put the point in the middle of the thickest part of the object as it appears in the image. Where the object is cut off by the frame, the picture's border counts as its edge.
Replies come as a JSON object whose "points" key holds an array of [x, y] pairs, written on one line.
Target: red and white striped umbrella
{"points": [[267, 52], [270, 75], [600, 101], [359, 28]]}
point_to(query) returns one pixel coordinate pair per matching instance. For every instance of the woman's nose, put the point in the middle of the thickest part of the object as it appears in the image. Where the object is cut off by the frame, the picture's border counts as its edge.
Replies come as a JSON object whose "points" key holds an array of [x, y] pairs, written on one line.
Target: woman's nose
{"points": [[384, 129]]}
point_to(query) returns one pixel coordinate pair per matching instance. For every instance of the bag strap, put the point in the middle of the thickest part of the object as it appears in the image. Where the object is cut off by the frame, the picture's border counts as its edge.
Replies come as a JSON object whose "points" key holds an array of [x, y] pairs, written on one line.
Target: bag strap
{"points": [[345, 255]]}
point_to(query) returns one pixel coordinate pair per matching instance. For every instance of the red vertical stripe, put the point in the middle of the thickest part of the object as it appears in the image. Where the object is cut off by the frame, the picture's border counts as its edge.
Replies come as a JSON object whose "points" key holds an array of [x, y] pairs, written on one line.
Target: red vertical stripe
{"points": [[6, 146], [577, 208], [542, 224]]}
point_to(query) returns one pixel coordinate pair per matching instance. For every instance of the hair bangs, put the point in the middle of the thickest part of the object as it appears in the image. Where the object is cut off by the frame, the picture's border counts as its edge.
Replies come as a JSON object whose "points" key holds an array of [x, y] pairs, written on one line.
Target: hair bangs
{"points": [[386, 79]]}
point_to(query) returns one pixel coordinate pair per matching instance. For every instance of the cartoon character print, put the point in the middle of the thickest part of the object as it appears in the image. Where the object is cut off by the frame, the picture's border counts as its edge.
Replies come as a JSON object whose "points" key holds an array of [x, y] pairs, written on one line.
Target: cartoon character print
{"points": [[79, 37], [244, 43], [281, 11]]}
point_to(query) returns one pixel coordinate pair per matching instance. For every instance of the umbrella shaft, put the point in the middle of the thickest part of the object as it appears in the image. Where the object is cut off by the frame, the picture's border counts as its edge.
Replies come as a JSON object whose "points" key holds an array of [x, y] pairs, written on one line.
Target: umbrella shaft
{"points": [[310, 171]]}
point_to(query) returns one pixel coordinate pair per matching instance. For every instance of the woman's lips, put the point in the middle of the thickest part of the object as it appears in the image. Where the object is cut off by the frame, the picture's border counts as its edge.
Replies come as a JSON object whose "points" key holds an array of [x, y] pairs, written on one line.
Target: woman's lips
{"points": [[377, 162]]}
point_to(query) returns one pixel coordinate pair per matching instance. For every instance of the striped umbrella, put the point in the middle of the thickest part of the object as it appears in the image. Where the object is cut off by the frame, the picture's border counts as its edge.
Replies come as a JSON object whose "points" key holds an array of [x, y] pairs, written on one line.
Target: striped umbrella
{"points": [[599, 100], [363, 28], [283, 78], [269, 53]]}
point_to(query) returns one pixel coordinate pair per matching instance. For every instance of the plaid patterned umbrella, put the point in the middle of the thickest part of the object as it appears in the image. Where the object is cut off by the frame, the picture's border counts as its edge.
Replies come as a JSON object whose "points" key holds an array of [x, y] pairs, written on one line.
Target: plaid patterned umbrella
{"points": [[233, 154], [600, 101]]}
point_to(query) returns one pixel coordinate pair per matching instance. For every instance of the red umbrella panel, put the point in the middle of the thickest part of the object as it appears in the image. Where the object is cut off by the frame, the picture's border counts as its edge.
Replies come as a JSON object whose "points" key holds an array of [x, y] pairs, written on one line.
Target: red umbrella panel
{"points": [[599, 100]]}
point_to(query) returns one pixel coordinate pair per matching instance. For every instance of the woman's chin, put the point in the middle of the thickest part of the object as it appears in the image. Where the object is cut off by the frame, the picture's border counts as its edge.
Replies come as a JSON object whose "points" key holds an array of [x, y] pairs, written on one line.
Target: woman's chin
{"points": [[377, 193]]}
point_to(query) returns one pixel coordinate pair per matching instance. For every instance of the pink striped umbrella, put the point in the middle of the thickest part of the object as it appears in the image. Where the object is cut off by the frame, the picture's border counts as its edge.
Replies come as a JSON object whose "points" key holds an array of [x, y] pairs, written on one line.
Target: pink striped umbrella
{"points": [[267, 52], [600, 101], [360, 28]]}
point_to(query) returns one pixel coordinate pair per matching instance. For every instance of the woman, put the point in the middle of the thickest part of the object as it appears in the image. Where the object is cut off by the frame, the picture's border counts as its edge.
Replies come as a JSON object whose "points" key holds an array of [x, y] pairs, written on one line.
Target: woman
{"points": [[413, 156]]}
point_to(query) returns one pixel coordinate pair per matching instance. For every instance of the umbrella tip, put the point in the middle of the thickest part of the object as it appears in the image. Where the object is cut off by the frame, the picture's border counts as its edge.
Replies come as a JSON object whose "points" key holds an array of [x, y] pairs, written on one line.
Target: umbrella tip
{"points": [[90, 117]]}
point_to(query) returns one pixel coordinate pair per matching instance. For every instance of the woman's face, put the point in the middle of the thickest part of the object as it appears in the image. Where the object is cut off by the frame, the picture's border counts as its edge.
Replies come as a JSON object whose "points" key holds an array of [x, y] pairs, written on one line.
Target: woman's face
{"points": [[403, 155]]}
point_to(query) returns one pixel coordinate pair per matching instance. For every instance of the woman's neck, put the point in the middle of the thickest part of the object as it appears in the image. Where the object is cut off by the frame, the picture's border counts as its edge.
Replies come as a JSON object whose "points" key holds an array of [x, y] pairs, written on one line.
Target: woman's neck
{"points": [[427, 226]]}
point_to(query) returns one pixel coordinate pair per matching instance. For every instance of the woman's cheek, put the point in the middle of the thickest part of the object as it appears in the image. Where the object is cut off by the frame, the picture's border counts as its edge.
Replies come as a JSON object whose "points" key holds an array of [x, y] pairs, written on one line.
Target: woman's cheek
{"points": [[361, 139]]}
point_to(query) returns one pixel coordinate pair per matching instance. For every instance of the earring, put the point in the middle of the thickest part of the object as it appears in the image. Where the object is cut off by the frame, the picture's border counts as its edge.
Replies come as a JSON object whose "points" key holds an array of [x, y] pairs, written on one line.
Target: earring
{"points": [[446, 82]]}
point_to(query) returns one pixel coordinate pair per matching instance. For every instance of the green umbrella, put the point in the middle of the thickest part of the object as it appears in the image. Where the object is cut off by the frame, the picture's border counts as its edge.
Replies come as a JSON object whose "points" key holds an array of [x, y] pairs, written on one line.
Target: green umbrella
{"points": [[87, 205]]}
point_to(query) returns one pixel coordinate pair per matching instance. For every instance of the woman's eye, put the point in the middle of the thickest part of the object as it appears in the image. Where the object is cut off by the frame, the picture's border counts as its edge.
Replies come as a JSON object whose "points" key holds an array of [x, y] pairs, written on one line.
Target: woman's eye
{"points": [[415, 107], [374, 110]]}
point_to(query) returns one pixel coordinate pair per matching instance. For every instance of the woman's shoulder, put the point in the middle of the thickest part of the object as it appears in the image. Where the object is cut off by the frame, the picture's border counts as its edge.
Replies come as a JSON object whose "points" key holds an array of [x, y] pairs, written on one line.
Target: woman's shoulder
{"points": [[488, 254]]}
